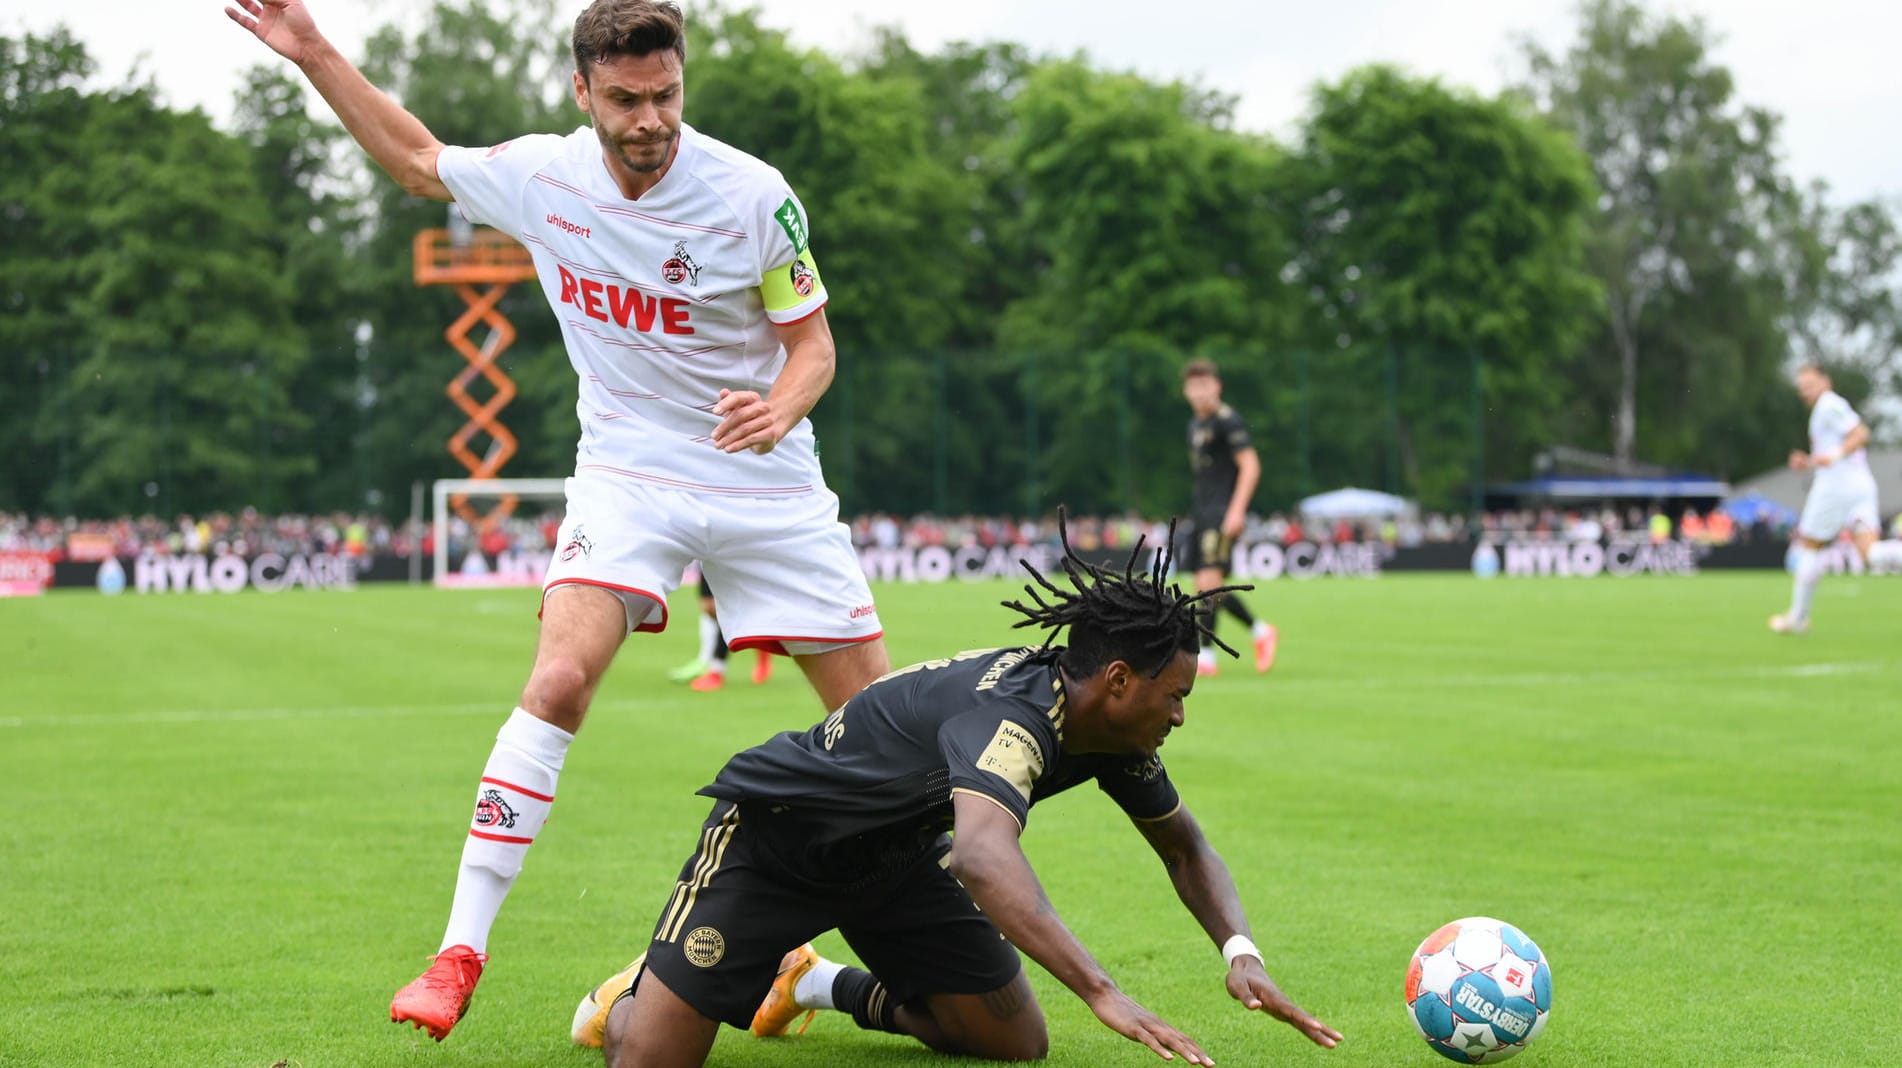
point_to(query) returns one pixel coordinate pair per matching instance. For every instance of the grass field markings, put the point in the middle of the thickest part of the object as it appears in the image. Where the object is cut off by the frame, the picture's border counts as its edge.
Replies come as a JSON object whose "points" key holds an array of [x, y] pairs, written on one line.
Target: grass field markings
{"points": [[246, 715], [1579, 678], [1532, 679]]}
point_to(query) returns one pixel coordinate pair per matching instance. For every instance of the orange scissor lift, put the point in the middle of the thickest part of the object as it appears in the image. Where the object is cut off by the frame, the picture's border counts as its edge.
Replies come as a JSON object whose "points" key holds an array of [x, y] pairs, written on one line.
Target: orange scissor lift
{"points": [[482, 264]]}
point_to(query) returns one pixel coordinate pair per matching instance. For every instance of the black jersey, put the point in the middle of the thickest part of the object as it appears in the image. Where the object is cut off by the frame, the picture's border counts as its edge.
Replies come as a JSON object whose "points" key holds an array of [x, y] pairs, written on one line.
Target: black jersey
{"points": [[1214, 440], [886, 764]]}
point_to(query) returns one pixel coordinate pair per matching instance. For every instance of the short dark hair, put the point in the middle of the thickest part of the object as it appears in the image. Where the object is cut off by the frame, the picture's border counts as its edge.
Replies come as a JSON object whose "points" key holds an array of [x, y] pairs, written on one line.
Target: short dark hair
{"points": [[1134, 616], [627, 28], [1200, 368]]}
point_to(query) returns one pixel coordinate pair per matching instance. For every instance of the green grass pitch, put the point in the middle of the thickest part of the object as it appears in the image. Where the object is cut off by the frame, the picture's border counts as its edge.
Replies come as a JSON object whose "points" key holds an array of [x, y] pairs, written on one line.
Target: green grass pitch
{"points": [[231, 824]]}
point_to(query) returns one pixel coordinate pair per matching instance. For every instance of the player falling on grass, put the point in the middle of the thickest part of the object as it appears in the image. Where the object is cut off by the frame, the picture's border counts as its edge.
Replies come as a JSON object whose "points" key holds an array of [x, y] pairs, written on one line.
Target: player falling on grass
{"points": [[1226, 470], [693, 315], [1842, 496], [843, 826]]}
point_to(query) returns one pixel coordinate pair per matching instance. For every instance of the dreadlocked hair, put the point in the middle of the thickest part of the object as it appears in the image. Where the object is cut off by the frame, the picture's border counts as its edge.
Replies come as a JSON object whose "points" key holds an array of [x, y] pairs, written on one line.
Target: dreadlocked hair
{"points": [[1131, 615]]}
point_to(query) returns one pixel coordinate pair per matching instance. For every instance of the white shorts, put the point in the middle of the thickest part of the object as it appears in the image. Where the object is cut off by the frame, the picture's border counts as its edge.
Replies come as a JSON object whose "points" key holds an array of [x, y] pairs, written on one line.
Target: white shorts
{"points": [[1832, 508], [782, 569]]}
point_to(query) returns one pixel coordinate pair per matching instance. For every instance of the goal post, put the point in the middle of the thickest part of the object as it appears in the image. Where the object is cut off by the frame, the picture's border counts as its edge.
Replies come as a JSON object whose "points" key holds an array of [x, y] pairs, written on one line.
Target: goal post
{"points": [[460, 557]]}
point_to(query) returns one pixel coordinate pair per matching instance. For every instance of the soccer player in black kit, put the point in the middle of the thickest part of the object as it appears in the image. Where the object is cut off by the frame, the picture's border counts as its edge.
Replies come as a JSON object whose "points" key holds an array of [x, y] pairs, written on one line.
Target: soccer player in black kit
{"points": [[843, 826], [1226, 468]]}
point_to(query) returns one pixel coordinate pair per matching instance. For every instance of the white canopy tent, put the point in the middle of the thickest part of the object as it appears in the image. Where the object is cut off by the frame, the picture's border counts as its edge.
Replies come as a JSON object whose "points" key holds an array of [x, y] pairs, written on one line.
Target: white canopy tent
{"points": [[1353, 503]]}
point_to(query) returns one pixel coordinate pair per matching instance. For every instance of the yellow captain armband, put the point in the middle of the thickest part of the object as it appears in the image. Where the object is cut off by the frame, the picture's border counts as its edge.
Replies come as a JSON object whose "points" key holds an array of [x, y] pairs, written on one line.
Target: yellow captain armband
{"points": [[793, 290]]}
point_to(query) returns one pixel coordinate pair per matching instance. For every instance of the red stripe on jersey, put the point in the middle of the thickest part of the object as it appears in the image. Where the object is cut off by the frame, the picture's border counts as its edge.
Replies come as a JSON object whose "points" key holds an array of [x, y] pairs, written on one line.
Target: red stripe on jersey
{"points": [[500, 838], [735, 491], [524, 791], [657, 220], [603, 272]]}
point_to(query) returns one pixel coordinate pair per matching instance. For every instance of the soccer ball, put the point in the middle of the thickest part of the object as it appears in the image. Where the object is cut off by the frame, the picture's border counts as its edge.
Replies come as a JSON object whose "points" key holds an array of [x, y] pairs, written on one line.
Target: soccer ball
{"points": [[1478, 990]]}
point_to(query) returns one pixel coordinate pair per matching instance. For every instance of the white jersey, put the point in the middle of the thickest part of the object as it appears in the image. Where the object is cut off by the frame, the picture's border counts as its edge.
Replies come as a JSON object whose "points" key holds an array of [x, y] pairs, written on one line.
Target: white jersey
{"points": [[663, 301], [1831, 420]]}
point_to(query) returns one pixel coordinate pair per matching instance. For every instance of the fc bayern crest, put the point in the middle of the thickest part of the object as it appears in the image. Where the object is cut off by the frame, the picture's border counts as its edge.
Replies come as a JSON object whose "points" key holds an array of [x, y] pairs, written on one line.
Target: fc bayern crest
{"points": [[680, 267], [803, 278]]}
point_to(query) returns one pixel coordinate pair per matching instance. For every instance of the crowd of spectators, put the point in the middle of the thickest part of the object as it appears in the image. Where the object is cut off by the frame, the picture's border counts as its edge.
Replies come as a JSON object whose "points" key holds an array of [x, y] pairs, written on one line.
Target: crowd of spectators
{"points": [[887, 531], [247, 533]]}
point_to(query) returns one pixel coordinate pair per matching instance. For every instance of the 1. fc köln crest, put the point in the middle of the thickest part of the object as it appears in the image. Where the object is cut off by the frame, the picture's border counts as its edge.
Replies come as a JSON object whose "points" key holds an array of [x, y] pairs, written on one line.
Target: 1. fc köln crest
{"points": [[680, 267], [492, 810]]}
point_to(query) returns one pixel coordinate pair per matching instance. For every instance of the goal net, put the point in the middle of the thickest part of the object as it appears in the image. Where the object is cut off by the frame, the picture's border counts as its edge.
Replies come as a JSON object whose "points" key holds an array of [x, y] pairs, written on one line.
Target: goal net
{"points": [[493, 531]]}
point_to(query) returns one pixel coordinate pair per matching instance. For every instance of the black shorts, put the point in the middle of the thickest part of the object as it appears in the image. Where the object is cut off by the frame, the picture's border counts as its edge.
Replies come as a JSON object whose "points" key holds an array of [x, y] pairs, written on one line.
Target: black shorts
{"points": [[738, 908], [1207, 547]]}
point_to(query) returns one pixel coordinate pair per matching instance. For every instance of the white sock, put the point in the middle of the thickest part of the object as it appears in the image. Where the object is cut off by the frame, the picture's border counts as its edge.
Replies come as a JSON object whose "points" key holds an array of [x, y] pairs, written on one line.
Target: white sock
{"points": [[709, 636], [1207, 655], [814, 989], [1885, 556], [512, 803], [1260, 629], [1809, 570]]}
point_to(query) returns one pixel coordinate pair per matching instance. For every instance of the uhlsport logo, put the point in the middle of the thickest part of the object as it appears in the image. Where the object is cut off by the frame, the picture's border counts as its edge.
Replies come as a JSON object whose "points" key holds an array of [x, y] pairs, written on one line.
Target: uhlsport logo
{"points": [[578, 545], [576, 229], [681, 267], [704, 947], [493, 811], [864, 610]]}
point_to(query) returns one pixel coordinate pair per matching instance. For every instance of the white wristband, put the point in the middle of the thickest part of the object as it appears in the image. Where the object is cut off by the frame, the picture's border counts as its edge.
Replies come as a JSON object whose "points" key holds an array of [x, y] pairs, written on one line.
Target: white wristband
{"points": [[1240, 946]]}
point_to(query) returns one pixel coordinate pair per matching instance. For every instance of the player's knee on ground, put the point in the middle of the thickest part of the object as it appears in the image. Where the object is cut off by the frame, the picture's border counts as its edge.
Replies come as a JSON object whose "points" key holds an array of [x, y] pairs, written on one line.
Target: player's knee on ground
{"points": [[616, 1031], [1004, 1025]]}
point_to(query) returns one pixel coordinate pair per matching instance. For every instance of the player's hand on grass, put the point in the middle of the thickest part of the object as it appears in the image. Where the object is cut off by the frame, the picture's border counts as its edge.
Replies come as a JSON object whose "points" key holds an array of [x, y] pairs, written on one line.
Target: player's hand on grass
{"points": [[285, 26], [1250, 985], [1120, 1013], [746, 422]]}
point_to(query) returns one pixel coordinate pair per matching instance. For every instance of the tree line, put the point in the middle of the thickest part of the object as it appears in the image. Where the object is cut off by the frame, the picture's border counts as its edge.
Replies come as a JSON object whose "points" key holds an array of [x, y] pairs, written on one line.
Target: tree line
{"points": [[1417, 291]]}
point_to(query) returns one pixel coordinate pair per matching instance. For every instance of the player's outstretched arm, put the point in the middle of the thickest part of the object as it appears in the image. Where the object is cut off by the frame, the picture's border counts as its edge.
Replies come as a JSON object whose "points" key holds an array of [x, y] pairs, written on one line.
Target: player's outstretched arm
{"points": [[397, 140], [1203, 883], [987, 858]]}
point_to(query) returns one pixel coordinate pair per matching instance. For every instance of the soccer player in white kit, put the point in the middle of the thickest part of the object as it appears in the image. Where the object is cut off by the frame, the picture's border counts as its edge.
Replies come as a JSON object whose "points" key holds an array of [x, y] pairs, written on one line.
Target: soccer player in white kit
{"points": [[1842, 497], [693, 313]]}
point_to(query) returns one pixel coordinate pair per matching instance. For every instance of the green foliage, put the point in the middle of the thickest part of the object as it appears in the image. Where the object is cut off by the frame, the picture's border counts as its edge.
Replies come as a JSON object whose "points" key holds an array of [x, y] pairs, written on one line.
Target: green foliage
{"points": [[161, 333], [1418, 291], [1694, 221], [1442, 236]]}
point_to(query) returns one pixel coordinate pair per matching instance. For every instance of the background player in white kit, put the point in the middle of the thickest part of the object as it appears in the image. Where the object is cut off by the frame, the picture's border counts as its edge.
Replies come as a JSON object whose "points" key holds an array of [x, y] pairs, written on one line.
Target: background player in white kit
{"points": [[693, 313], [1842, 497]]}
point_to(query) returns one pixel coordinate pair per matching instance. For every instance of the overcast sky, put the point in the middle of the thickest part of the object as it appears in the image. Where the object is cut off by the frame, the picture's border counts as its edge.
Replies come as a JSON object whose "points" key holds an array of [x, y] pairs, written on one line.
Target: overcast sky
{"points": [[1827, 66]]}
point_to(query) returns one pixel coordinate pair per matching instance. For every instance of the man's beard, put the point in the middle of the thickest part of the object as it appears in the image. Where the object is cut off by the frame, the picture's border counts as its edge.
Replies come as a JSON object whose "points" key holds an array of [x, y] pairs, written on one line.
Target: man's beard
{"points": [[620, 148]]}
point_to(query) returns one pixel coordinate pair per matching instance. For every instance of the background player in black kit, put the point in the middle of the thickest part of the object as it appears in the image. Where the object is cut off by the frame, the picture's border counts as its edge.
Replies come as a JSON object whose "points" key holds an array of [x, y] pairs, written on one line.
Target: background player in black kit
{"points": [[1226, 469], [844, 826]]}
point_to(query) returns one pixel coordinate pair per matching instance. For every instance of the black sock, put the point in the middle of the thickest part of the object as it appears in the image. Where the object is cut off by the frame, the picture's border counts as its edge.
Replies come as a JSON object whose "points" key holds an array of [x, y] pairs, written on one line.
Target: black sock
{"points": [[720, 650], [1234, 606], [858, 992]]}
